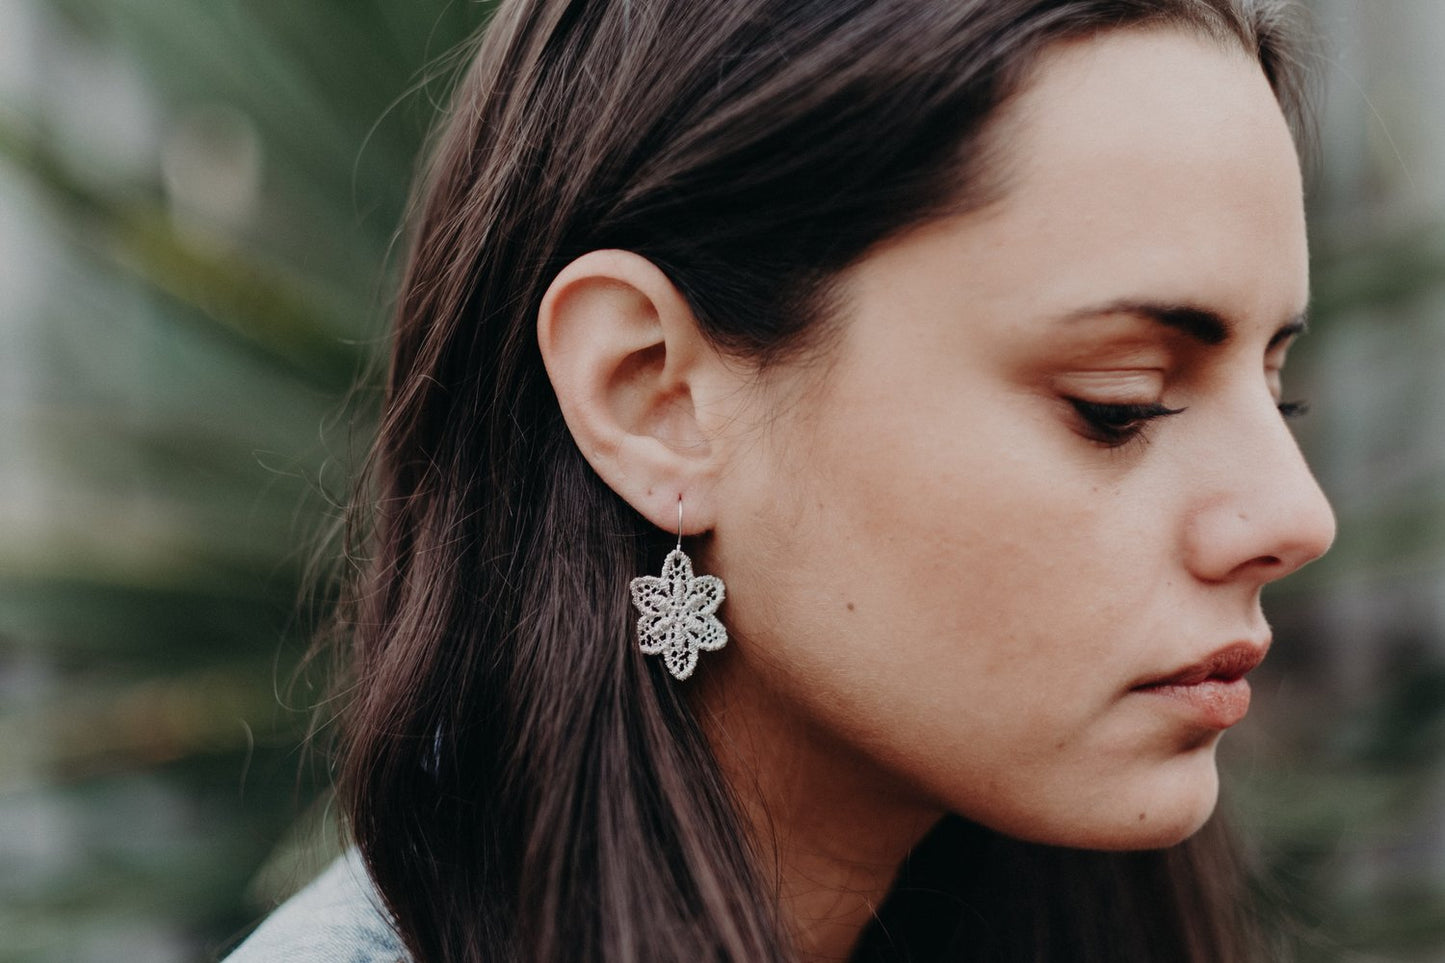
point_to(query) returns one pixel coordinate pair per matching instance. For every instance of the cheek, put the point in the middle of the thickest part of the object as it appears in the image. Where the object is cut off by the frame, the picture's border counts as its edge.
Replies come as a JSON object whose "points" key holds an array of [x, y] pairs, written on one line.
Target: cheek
{"points": [[962, 607], [981, 547], [953, 565]]}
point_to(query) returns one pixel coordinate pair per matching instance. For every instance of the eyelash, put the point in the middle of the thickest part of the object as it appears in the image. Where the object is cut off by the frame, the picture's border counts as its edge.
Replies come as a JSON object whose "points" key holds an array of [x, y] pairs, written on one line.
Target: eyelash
{"points": [[1294, 409], [1114, 426]]}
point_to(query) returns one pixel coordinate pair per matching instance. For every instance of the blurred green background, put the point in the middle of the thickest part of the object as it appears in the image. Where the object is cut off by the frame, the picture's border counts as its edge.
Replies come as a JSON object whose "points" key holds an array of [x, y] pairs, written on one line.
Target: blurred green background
{"points": [[198, 210]]}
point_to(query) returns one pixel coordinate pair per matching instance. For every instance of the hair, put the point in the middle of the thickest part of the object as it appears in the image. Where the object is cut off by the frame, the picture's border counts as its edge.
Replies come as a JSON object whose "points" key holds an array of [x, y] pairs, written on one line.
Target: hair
{"points": [[522, 783]]}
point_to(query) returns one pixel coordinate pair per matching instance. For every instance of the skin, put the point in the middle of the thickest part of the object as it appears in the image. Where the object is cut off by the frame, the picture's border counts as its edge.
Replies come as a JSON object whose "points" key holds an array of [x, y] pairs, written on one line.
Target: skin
{"points": [[944, 585]]}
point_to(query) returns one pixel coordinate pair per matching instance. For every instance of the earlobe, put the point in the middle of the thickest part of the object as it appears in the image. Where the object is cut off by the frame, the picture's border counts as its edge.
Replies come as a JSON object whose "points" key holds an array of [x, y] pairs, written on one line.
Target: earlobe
{"points": [[626, 360]]}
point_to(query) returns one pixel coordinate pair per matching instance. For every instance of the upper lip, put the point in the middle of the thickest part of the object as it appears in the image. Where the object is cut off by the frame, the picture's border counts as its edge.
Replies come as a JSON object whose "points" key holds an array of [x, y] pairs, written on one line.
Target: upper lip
{"points": [[1231, 662]]}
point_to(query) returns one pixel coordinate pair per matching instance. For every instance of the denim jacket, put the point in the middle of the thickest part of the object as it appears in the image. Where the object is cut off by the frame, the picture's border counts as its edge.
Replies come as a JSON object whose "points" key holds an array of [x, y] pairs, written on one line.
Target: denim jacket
{"points": [[337, 918]]}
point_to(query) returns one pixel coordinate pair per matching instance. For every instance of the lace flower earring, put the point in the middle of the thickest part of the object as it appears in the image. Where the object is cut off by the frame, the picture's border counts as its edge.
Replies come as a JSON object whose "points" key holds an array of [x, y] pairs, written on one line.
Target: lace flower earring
{"points": [[678, 611]]}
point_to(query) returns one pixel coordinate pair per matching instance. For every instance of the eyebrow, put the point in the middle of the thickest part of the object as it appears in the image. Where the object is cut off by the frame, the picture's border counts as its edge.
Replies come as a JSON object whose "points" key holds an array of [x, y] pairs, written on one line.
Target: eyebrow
{"points": [[1200, 324]]}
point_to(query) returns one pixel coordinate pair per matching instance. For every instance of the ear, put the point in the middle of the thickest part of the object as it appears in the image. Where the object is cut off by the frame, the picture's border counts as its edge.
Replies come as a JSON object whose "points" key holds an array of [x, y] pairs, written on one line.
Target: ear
{"points": [[630, 368]]}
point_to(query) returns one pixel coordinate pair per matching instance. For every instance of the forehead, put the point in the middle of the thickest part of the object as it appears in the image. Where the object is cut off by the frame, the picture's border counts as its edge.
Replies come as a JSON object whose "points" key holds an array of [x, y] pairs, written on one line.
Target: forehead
{"points": [[1192, 99], [1153, 155]]}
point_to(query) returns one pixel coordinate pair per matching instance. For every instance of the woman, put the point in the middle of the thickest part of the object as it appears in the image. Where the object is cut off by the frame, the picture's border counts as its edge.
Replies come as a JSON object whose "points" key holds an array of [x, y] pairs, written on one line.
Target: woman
{"points": [[948, 337]]}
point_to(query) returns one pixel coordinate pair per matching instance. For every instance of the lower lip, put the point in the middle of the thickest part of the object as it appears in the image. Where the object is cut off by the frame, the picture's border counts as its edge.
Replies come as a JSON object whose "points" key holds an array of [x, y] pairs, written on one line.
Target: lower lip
{"points": [[1214, 702]]}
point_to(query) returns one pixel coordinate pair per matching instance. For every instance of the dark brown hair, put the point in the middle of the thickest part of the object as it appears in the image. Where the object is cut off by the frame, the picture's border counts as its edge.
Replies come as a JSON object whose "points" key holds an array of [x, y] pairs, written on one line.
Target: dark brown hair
{"points": [[523, 785]]}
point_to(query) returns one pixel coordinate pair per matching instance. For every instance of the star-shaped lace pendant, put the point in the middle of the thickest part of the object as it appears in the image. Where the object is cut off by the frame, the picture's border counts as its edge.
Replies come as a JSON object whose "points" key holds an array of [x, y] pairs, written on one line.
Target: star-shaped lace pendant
{"points": [[678, 616]]}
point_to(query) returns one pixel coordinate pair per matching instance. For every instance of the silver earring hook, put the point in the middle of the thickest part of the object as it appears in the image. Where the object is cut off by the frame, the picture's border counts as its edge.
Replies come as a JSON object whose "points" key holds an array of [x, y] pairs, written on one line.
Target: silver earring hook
{"points": [[679, 519]]}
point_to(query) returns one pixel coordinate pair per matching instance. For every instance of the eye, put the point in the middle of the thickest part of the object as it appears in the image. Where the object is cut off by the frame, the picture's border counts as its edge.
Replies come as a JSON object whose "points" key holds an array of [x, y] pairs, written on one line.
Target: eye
{"points": [[1116, 425], [1294, 409]]}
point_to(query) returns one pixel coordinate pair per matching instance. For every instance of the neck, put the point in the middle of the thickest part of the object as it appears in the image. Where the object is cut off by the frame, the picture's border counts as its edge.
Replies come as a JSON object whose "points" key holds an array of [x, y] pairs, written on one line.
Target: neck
{"points": [[832, 828]]}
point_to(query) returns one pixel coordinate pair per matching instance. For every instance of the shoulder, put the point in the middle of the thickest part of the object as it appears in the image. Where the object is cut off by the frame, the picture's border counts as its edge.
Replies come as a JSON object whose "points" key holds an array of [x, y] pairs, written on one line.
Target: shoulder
{"points": [[337, 918]]}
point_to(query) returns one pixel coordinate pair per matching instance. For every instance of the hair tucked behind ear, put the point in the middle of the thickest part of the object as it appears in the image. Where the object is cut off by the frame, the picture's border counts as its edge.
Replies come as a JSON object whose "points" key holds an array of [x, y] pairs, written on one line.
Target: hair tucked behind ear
{"points": [[522, 784]]}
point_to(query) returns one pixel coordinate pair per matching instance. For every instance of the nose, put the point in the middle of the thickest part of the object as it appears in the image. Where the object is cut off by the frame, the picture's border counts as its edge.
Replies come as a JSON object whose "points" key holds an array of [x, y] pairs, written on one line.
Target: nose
{"points": [[1260, 514]]}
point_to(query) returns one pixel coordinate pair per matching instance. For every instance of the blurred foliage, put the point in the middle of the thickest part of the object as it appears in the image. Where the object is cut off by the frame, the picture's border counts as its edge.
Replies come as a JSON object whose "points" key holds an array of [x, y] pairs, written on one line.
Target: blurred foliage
{"points": [[1337, 813], [195, 356], [193, 365]]}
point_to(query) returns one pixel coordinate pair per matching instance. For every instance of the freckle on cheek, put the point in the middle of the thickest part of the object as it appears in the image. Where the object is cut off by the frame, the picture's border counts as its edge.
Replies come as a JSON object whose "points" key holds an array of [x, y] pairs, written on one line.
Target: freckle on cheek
{"points": [[850, 606], [1141, 817]]}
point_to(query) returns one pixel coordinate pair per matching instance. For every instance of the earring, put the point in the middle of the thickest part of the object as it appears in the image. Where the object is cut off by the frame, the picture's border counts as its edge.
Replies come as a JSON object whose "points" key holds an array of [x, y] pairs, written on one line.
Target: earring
{"points": [[678, 611]]}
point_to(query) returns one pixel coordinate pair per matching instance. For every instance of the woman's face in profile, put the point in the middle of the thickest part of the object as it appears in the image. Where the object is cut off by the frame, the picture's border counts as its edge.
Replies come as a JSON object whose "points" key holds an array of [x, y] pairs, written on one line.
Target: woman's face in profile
{"points": [[1043, 467]]}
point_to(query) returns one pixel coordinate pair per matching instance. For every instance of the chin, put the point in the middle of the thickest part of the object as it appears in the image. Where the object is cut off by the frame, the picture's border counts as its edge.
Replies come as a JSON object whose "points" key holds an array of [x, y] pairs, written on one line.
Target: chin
{"points": [[1154, 810], [1166, 810]]}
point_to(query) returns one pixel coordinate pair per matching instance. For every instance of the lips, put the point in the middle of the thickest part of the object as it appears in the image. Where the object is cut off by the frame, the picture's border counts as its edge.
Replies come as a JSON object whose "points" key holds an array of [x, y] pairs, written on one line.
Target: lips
{"points": [[1226, 665], [1213, 691]]}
